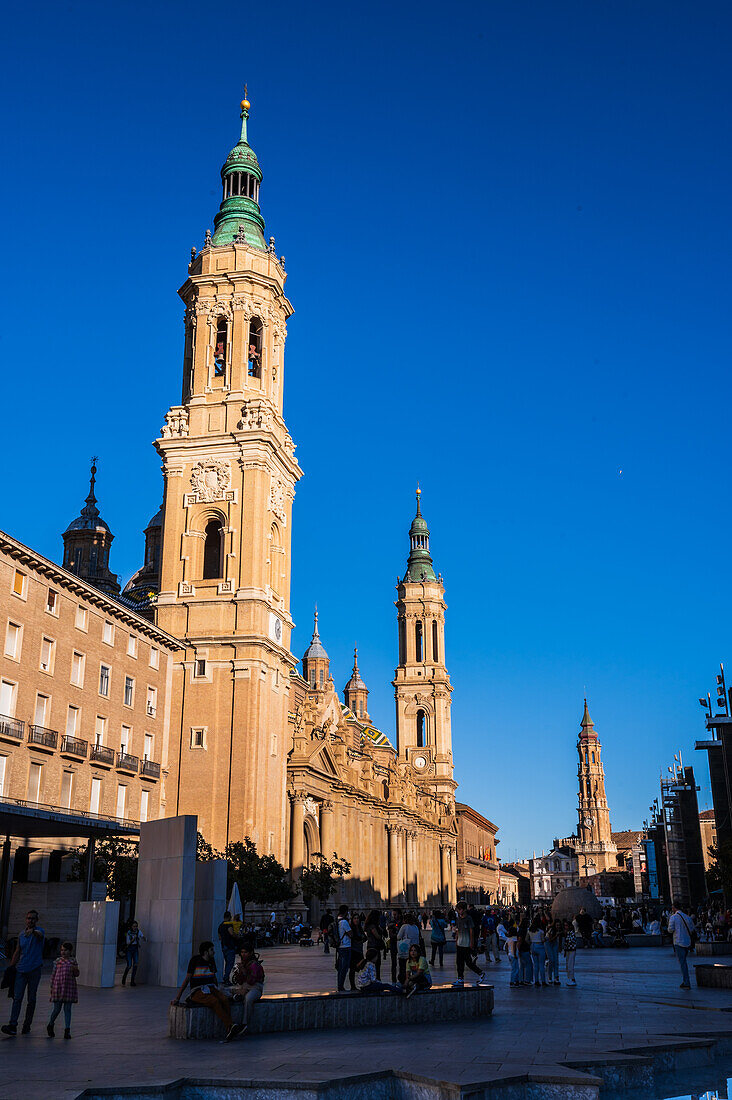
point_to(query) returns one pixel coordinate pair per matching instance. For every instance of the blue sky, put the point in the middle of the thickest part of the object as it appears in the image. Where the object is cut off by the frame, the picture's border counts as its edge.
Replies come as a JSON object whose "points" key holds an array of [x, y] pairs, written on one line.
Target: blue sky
{"points": [[507, 235]]}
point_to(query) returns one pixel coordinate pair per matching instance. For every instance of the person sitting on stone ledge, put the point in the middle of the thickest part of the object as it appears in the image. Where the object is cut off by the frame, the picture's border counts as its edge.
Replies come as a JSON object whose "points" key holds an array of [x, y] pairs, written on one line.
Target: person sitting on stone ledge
{"points": [[366, 980], [201, 977], [418, 972], [247, 980]]}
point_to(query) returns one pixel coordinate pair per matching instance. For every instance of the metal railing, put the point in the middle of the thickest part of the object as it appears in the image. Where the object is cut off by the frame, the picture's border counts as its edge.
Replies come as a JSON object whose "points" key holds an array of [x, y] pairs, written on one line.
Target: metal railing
{"points": [[73, 746], [11, 727], [102, 754], [87, 815], [150, 769], [126, 762], [39, 735]]}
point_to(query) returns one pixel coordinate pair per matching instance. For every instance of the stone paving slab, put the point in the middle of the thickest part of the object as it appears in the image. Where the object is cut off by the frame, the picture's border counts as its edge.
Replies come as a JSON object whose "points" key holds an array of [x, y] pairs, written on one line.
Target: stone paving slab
{"points": [[625, 1001]]}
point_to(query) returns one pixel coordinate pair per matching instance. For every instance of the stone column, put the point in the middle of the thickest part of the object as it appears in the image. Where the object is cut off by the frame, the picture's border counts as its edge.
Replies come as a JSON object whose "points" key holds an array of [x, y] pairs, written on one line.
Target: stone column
{"points": [[411, 867], [453, 875], [297, 834], [327, 844], [394, 833], [444, 875]]}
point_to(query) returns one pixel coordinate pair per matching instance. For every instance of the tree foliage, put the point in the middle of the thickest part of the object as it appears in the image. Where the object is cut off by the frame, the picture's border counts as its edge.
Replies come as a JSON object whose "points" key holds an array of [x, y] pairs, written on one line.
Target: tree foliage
{"points": [[205, 852], [719, 875], [261, 879], [115, 862], [321, 878]]}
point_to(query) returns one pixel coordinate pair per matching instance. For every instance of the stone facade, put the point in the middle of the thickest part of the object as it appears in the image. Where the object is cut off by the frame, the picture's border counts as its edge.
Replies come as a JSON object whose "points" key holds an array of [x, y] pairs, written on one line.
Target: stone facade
{"points": [[708, 834], [477, 864], [553, 872]]}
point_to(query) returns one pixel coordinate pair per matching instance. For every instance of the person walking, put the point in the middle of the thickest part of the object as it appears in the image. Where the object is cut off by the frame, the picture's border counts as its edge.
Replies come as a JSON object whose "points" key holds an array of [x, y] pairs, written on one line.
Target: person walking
{"points": [[523, 947], [358, 936], [538, 951], [570, 951], [64, 991], [132, 951], [512, 952], [325, 922], [464, 947], [681, 927], [343, 948], [28, 962], [375, 939], [552, 936], [392, 931], [438, 924]]}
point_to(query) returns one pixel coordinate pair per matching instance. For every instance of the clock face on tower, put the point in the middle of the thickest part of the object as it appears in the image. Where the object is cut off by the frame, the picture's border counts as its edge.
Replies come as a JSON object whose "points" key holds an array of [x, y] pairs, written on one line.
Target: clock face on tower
{"points": [[589, 820], [275, 629], [420, 762]]}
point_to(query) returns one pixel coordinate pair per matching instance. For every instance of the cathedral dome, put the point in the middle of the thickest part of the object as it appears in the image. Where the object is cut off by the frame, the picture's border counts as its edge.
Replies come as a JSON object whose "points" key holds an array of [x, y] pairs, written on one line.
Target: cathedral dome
{"points": [[89, 518], [239, 219], [242, 157]]}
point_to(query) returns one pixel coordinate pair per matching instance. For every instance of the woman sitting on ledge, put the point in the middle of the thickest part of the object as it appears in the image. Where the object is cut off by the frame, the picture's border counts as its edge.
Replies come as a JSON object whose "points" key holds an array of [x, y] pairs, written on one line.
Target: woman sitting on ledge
{"points": [[204, 989], [247, 980], [366, 980], [418, 972]]}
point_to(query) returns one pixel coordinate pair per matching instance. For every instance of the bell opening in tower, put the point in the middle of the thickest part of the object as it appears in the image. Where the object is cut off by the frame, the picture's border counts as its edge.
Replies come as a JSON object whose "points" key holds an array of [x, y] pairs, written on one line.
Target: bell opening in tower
{"points": [[213, 551], [220, 353], [254, 354], [421, 730]]}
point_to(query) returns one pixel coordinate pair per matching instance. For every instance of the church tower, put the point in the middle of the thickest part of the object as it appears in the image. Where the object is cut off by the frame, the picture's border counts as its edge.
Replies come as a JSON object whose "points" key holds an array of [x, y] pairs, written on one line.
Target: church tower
{"points": [[422, 686], [356, 694], [596, 850], [230, 470], [87, 542]]}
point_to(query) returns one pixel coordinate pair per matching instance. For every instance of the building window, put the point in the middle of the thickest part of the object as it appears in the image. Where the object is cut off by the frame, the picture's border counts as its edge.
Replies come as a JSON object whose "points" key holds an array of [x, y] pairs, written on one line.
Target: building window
{"points": [[254, 352], [41, 717], [48, 650], [402, 641], [72, 722], [273, 745], [82, 617], [132, 646], [418, 641], [152, 702], [77, 669], [154, 657], [147, 752], [52, 602], [144, 804], [220, 353], [360, 708], [593, 758], [421, 729], [13, 636], [213, 551], [124, 739], [322, 677], [121, 800], [200, 669], [198, 738], [129, 691], [96, 795], [8, 695], [34, 782], [100, 730], [3, 772], [108, 633], [19, 584], [67, 783], [104, 675]]}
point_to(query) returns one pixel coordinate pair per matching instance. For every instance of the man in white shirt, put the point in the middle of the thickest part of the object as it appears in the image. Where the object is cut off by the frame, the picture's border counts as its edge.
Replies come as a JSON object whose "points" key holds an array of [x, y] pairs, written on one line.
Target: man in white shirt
{"points": [[681, 926], [343, 954]]}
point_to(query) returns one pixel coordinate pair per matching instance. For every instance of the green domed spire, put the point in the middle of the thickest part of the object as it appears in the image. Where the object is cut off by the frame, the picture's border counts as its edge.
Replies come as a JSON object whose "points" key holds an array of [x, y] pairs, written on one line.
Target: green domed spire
{"points": [[419, 565], [241, 176]]}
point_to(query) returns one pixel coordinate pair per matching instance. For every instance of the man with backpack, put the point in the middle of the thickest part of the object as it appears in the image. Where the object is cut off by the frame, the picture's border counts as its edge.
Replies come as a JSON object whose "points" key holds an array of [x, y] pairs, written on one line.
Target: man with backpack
{"points": [[684, 934]]}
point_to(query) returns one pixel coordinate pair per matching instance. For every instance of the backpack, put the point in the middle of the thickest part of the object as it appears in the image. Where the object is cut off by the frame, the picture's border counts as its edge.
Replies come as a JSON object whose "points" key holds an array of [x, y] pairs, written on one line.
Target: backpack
{"points": [[334, 938]]}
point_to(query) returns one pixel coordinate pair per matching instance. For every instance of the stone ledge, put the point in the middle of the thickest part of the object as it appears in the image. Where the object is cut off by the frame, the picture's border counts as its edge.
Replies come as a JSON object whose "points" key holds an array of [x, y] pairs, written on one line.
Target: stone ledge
{"points": [[301, 1012], [706, 949], [713, 975]]}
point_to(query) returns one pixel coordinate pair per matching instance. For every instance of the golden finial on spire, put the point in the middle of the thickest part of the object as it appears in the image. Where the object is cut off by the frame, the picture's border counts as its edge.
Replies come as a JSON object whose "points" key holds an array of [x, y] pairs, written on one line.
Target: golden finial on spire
{"points": [[245, 104]]}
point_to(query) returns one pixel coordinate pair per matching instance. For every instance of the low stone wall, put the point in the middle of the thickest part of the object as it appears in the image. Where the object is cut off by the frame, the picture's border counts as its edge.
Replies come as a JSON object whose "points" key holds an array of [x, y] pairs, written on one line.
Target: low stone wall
{"points": [[301, 1012], [707, 949], [713, 975], [642, 939]]}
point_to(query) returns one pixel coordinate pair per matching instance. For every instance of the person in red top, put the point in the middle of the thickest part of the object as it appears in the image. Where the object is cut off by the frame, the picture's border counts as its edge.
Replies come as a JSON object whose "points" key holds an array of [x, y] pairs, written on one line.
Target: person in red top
{"points": [[247, 980], [204, 989], [64, 992]]}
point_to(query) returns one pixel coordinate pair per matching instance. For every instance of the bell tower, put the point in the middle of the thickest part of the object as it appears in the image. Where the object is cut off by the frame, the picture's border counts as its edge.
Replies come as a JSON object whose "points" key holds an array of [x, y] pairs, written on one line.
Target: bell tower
{"points": [[596, 850], [229, 468], [422, 687]]}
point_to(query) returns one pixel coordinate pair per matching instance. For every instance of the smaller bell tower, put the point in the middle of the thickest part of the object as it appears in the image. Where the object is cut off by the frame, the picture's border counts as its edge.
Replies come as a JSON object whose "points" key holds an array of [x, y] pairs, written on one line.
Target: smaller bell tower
{"points": [[422, 687], [596, 850], [87, 542], [356, 694]]}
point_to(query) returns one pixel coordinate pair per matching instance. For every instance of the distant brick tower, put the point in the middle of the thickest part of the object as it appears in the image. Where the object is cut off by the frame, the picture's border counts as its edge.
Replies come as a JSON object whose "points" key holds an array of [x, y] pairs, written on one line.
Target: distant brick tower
{"points": [[595, 850]]}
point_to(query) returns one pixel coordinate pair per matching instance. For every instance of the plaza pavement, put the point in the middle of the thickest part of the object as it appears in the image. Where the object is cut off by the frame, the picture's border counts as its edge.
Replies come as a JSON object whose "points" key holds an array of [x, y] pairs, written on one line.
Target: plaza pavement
{"points": [[625, 1001]]}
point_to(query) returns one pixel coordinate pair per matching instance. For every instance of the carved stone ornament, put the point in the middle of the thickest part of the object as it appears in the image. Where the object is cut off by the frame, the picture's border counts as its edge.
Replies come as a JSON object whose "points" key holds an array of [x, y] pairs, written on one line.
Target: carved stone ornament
{"points": [[277, 500], [209, 481], [311, 807], [176, 423]]}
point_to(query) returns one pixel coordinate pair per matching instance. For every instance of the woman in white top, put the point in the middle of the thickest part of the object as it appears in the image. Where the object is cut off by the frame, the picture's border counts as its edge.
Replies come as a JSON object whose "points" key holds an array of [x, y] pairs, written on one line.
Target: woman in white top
{"points": [[538, 951]]}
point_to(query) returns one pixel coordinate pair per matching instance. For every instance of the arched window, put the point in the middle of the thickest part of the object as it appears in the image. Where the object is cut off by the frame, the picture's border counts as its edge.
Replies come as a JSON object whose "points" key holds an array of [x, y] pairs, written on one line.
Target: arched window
{"points": [[360, 708], [254, 348], [435, 647], [322, 677], [402, 641], [418, 641], [593, 758], [213, 551], [275, 547], [421, 729], [220, 350]]}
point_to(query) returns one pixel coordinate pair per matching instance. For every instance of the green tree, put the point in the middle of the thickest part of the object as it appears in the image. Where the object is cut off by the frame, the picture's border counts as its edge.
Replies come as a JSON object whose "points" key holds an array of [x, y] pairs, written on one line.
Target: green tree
{"points": [[261, 879], [321, 878], [719, 875], [205, 851], [115, 862]]}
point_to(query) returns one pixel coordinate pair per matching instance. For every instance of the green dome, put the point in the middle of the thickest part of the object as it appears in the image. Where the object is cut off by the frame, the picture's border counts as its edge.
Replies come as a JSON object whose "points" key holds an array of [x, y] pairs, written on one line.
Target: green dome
{"points": [[239, 217], [419, 565], [242, 157]]}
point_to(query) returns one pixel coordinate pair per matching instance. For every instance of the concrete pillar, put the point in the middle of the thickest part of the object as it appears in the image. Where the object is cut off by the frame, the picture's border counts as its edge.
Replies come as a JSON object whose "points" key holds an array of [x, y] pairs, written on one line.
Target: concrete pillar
{"points": [[6, 885], [297, 834], [89, 877], [327, 843], [96, 943], [165, 898], [444, 875], [209, 903], [393, 831]]}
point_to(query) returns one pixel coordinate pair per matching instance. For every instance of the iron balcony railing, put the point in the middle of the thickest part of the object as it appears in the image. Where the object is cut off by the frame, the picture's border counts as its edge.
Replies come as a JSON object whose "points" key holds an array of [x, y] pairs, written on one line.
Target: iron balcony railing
{"points": [[73, 746], [102, 754], [11, 727], [39, 735], [150, 769], [127, 763]]}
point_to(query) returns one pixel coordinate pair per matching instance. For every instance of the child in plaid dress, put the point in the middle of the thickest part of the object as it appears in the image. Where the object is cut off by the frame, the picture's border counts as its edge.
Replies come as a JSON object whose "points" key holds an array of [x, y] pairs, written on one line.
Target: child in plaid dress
{"points": [[63, 988]]}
